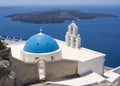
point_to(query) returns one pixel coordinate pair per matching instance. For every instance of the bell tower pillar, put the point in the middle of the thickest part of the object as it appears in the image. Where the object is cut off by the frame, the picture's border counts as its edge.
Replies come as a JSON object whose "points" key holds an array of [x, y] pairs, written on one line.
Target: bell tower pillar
{"points": [[72, 38]]}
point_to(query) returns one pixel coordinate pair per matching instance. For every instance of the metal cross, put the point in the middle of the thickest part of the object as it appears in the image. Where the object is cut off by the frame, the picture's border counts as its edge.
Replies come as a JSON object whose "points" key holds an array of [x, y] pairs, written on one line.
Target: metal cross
{"points": [[73, 21], [40, 30]]}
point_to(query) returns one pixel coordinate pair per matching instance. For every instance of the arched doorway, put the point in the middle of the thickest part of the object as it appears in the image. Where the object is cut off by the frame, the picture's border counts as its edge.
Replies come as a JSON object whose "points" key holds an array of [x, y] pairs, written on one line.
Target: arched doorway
{"points": [[41, 68]]}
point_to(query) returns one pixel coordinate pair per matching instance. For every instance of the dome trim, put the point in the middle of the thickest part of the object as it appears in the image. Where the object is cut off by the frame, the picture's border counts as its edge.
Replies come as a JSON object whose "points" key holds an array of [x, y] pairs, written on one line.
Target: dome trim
{"points": [[43, 53]]}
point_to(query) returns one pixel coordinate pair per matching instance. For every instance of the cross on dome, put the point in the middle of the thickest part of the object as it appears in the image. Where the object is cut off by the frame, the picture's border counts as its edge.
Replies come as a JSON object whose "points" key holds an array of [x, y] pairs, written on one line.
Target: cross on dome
{"points": [[73, 21], [40, 30]]}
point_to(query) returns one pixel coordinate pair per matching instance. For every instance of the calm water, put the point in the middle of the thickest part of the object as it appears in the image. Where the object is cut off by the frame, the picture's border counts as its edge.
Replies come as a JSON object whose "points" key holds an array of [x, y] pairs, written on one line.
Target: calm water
{"points": [[101, 34]]}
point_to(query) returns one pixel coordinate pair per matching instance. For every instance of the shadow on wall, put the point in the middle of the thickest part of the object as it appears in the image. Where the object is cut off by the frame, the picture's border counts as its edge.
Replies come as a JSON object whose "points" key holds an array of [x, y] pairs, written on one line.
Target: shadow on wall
{"points": [[61, 69], [25, 74]]}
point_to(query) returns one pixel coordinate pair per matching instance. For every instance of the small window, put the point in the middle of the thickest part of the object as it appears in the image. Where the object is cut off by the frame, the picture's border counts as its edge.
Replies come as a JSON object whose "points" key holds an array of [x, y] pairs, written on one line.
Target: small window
{"points": [[52, 58], [47, 43], [71, 30], [74, 40], [37, 44], [36, 58], [69, 38]]}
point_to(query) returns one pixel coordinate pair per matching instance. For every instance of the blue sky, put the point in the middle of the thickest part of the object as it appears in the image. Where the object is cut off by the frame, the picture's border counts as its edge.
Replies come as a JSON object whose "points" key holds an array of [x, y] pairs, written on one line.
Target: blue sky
{"points": [[59, 2]]}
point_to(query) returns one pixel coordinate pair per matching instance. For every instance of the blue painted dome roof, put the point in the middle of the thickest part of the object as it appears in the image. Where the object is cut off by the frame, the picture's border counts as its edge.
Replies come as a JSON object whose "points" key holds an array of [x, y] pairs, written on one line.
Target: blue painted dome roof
{"points": [[40, 43]]}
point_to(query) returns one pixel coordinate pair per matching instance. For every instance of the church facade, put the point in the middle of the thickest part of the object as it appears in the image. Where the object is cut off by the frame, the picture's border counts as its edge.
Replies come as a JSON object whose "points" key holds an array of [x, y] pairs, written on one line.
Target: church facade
{"points": [[58, 59]]}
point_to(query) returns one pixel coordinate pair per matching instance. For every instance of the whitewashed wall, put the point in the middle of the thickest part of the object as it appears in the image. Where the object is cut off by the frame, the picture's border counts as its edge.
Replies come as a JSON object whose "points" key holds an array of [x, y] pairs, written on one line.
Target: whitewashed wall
{"points": [[94, 65], [31, 57]]}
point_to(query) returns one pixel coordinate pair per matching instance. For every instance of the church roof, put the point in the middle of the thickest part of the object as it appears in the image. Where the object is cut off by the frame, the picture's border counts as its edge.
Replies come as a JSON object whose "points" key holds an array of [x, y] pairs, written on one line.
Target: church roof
{"points": [[87, 80], [81, 55], [40, 43]]}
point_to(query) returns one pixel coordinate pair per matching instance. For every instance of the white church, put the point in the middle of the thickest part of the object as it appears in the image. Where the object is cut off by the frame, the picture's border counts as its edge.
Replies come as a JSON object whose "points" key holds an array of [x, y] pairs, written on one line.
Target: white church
{"points": [[48, 52]]}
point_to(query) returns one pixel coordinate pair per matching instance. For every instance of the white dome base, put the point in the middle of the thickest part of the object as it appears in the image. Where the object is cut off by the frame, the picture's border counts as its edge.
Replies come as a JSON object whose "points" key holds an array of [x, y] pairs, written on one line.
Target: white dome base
{"points": [[33, 57]]}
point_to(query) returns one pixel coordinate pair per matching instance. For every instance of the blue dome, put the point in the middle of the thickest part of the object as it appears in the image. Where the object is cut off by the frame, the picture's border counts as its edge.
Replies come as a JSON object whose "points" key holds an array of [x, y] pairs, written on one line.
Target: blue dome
{"points": [[41, 43]]}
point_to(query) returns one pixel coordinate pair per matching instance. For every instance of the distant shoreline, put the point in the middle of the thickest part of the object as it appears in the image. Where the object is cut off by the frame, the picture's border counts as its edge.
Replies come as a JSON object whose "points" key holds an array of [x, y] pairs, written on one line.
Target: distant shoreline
{"points": [[8, 7], [55, 16]]}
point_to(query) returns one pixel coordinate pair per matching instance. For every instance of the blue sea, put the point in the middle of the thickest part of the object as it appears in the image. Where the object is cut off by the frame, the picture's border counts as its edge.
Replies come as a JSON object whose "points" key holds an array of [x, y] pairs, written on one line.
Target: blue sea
{"points": [[101, 34]]}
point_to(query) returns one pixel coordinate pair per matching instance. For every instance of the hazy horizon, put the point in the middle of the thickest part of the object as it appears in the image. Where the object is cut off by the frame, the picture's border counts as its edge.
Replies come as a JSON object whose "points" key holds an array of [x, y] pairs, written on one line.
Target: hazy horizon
{"points": [[52, 5], [56, 2]]}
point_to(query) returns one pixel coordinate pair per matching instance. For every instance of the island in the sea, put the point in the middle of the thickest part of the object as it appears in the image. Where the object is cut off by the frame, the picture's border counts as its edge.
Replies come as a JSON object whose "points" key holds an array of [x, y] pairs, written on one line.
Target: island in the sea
{"points": [[55, 16], [3, 8], [9, 7]]}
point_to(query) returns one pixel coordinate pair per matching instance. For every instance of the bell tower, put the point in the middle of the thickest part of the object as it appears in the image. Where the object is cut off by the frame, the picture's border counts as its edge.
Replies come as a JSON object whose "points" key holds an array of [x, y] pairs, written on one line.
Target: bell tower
{"points": [[72, 37]]}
